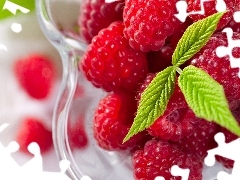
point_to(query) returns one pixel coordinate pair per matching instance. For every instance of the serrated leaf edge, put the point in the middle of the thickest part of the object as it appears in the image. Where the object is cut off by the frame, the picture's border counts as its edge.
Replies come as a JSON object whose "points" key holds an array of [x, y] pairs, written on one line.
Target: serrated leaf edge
{"points": [[147, 99], [191, 33], [205, 113]]}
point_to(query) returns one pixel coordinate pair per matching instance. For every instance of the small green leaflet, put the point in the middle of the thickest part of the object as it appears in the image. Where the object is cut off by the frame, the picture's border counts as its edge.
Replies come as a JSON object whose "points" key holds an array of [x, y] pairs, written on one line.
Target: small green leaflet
{"points": [[206, 98], [194, 38], [154, 101], [5, 13]]}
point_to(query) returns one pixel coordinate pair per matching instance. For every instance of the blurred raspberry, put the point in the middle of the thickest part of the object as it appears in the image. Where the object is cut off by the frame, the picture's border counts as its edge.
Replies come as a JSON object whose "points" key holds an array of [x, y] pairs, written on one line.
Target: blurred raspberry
{"points": [[77, 134], [31, 130], [35, 74]]}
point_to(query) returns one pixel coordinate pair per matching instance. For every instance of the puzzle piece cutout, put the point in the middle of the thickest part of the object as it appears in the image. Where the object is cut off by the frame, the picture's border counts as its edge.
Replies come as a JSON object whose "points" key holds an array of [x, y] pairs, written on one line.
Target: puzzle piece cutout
{"points": [[228, 150], [182, 8], [222, 51], [236, 16], [33, 169], [12, 7], [177, 171]]}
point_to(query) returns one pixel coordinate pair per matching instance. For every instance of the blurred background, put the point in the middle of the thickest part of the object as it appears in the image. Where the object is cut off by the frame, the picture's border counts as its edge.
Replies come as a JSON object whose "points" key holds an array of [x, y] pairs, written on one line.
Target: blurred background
{"points": [[20, 39]]}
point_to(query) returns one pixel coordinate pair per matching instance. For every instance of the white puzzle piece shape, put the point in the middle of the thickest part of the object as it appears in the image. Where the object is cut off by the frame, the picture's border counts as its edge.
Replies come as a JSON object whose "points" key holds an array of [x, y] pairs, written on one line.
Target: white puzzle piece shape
{"points": [[222, 51], [228, 150], [182, 6]]}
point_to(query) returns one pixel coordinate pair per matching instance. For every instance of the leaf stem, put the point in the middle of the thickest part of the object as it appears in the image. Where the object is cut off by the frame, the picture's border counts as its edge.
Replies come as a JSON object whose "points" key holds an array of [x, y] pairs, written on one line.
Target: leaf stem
{"points": [[179, 70]]}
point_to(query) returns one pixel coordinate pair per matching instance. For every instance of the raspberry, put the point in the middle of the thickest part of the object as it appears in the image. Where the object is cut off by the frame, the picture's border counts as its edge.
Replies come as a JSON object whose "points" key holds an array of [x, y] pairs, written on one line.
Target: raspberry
{"points": [[157, 158], [159, 60], [96, 15], [201, 140], [210, 8], [144, 85], [234, 26], [35, 74], [112, 121], [32, 130], [176, 36], [110, 63], [79, 92], [77, 134], [219, 68], [177, 121], [149, 22]]}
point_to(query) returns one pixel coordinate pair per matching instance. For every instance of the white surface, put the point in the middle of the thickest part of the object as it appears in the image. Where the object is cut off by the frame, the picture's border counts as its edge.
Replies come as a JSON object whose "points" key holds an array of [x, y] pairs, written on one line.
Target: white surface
{"points": [[15, 104]]}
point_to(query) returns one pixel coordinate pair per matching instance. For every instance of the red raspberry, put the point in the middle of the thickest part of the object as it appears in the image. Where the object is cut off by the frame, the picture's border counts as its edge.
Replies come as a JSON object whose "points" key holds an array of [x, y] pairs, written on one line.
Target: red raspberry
{"points": [[201, 140], [144, 85], [177, 121], [33, 130], [157, 158], [35, 74], [176, 36], [110, 63], [159, 60], [219, 68], [112, 121], [234, 26], [149, 22], [96, 15], [79, 92], [210, 8], [77, 134]]}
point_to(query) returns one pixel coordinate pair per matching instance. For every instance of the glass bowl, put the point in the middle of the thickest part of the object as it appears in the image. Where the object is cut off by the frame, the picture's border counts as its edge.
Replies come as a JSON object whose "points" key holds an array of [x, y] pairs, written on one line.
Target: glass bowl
{"points": [[78, 99]]}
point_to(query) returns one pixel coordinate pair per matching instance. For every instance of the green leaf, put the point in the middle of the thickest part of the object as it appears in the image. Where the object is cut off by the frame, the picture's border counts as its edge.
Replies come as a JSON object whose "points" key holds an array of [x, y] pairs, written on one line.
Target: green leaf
{"points": [[5, 13], [194, 38], [153, 101], [206, 98]]}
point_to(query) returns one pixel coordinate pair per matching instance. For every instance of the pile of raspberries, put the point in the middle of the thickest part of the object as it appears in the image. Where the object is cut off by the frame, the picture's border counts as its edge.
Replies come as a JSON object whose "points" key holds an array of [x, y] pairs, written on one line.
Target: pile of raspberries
{"points": [[129, 42]]}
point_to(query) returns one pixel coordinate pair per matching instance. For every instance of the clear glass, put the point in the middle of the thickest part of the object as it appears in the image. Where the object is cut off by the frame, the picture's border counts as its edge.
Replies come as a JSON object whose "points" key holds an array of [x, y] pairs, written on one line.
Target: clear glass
{"points": [[78, 98]]}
